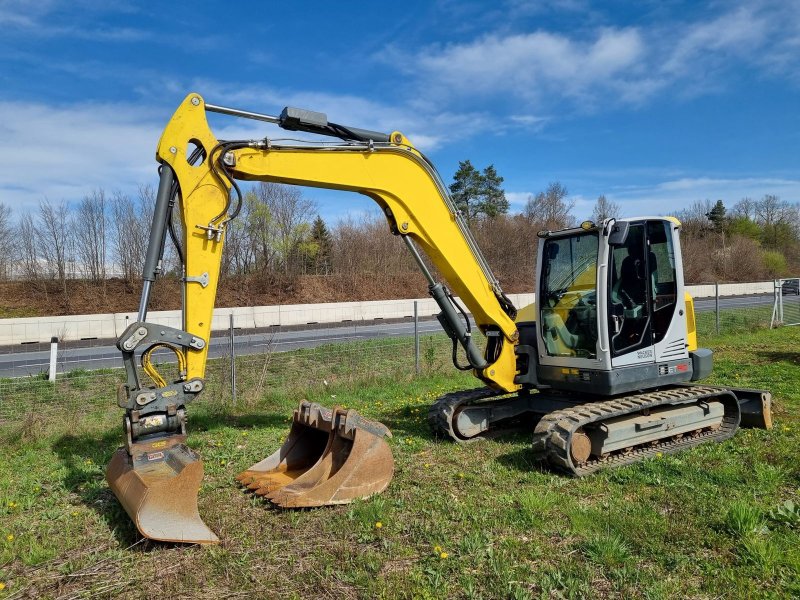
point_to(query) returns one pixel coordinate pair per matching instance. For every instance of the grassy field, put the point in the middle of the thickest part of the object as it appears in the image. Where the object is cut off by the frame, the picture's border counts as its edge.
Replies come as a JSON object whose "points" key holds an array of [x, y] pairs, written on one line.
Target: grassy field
{"points": [[471, 521]]}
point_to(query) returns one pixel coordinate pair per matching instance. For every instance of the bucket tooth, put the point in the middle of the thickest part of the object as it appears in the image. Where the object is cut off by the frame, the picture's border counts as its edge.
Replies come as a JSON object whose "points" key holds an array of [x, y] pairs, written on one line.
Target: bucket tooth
{"points": [[158, 488], [306, 443], [358, 463]]}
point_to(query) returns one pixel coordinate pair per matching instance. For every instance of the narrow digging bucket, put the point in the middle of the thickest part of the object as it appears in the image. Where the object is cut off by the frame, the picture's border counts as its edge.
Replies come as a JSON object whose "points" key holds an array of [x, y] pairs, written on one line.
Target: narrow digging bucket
{"points": [[357, 464], [306, 444], [158, 488]]}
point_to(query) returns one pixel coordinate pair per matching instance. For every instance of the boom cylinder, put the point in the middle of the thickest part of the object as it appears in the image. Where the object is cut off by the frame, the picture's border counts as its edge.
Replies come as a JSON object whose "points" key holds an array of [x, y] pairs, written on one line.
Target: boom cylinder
{"points": [[452, 324]]}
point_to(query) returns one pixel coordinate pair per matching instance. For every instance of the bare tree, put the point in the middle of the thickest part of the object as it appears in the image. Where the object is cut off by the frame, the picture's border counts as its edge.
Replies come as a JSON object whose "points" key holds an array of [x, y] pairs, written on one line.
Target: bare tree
{"points": [[131, 225], [550, 209], [55, 240], [291, 215], [605, 209], [28, 252], [7, 242], [89, 225], [694, 220], [744, 208]]}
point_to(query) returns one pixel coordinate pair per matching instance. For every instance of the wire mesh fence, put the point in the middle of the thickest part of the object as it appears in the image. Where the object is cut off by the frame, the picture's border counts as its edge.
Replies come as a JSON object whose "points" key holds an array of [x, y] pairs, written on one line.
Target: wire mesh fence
{"points": [[301, 357]]}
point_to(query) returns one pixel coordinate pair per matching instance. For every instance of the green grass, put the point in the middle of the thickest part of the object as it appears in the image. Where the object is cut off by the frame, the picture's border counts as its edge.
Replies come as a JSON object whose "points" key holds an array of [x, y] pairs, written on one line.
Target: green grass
{"points": [[473, 521]]}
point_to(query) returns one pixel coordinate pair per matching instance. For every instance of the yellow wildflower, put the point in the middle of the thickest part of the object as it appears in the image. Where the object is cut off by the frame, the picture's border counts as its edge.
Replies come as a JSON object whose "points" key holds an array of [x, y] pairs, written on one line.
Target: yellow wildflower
{"points": [[461, 475], [2, 586], [659, 454], [444, 555], [10, 537], [378, 525], [437, 549]]}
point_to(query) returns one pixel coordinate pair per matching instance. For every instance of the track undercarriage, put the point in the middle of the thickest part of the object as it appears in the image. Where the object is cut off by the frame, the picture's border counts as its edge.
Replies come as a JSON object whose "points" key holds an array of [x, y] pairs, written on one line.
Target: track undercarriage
{"points": [[579, 435]]}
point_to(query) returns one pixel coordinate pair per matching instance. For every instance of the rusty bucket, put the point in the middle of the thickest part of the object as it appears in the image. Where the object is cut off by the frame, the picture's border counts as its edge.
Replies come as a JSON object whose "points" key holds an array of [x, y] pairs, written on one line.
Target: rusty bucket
{"points": [[306, 443], [158, 487], [351, 459]]}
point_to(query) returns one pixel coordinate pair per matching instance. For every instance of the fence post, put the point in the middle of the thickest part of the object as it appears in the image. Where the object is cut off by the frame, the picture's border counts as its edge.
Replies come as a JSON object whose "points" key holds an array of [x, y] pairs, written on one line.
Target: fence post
{"points": [[716, 303], [233, 358], [53, 356], [416, 338]]}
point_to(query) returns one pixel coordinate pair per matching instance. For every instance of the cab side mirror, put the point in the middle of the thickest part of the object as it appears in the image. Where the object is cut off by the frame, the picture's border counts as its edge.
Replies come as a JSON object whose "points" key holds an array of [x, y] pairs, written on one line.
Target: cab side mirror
{"points": [[618, 233]]}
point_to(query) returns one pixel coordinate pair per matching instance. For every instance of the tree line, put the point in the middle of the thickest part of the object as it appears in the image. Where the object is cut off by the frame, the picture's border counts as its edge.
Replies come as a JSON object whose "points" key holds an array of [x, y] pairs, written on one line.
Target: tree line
{"points": [[279, 235]]}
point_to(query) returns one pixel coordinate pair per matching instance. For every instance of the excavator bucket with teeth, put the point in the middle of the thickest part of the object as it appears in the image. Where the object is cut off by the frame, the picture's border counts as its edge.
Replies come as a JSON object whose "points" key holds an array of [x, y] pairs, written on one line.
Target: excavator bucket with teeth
{"points": [[158, 486], [330, 457]]}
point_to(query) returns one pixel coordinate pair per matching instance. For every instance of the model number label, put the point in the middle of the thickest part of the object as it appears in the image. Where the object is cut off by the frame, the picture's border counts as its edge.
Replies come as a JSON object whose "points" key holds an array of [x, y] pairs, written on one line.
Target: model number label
{"points": [[645, 353]]}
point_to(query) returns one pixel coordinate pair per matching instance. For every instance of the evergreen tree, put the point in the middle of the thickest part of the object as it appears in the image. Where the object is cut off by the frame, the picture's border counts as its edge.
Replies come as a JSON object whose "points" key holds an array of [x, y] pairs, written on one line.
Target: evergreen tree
{"points": [[717, 216], [475, 193], [321, 247]]}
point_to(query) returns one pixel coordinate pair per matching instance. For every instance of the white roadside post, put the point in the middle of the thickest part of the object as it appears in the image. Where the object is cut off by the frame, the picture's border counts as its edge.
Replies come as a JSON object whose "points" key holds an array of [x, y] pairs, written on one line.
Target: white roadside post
{"points": [[53, 356]]}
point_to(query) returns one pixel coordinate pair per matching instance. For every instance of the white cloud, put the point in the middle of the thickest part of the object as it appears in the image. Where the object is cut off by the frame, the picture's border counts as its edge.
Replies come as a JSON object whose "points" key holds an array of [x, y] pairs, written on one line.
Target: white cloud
{"points": [[63, 153], [530, 64], [605, 66], [673, 195]]}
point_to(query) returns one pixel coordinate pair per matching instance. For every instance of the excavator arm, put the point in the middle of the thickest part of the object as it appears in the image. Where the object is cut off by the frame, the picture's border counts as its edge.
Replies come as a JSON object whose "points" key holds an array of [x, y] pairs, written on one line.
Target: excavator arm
{"points": [[392, 173]]}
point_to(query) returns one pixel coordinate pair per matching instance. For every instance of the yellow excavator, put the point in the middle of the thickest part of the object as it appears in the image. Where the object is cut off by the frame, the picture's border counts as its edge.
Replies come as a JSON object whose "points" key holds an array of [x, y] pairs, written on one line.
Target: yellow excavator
{"points": [[604, 364]]}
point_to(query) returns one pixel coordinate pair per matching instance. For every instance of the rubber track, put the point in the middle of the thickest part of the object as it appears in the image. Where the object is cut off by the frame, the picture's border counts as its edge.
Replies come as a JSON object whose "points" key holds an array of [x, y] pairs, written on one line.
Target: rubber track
{"points": [[552, 437]]}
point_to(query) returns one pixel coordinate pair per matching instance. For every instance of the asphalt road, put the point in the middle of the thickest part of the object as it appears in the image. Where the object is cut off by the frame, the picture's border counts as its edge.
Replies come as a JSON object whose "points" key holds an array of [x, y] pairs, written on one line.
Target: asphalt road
{"points": [[18, 361]]}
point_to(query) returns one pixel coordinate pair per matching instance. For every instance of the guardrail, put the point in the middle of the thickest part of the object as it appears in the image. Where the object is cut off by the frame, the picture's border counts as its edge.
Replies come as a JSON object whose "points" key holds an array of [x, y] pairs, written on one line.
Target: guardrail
{"points": [[35, 330]]}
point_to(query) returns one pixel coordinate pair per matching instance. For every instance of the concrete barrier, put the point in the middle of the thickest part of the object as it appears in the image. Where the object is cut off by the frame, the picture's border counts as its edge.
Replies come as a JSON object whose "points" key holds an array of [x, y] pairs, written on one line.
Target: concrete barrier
{"points": [[110, 326]]}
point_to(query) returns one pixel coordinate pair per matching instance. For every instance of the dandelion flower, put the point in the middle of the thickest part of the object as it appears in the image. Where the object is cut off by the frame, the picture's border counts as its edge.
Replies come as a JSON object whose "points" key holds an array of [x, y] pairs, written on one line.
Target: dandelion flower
{"points": [[437, 549], [10, 537], [659, 454], [378, 525], [444, 555], [2, 586]]}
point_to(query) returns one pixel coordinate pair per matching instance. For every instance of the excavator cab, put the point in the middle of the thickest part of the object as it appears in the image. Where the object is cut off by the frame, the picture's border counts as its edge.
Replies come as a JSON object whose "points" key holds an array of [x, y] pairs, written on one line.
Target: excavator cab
{"points": [[610, 318]]}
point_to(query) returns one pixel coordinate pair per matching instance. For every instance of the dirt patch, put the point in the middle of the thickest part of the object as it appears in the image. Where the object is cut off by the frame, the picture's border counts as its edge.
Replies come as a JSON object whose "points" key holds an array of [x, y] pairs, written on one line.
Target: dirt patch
{"points": [[47, 298]]}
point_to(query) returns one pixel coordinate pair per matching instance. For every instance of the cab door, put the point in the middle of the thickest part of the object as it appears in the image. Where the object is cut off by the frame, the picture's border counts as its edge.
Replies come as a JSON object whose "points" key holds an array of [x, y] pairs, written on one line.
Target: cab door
{"points": [[630, 306]]}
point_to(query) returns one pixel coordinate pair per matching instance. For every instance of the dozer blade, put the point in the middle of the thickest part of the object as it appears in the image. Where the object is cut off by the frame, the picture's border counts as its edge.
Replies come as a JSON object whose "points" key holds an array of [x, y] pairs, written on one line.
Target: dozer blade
{"points": [[355, 461], [304, 446], [158, 488], [755, 406]]}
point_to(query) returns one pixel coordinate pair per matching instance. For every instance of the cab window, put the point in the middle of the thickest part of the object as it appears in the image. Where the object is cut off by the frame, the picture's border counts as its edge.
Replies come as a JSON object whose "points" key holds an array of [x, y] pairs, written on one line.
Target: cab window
{"points": [[568, 309]]}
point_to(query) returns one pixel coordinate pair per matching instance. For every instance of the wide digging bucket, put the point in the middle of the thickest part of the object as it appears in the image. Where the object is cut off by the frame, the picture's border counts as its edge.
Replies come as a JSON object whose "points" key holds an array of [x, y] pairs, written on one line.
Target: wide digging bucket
{"points": [[306, 443], [354, 461], [358, 464], [158, 488]]}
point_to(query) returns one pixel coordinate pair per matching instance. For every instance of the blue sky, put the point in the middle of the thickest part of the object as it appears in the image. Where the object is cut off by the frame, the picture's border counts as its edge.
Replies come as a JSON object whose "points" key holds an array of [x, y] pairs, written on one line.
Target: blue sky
{"points": [[655, 104]]}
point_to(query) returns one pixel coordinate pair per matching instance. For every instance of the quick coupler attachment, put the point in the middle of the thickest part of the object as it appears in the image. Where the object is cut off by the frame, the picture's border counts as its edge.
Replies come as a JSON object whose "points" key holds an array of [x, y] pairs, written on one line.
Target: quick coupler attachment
{"points": [[331, 456]]}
